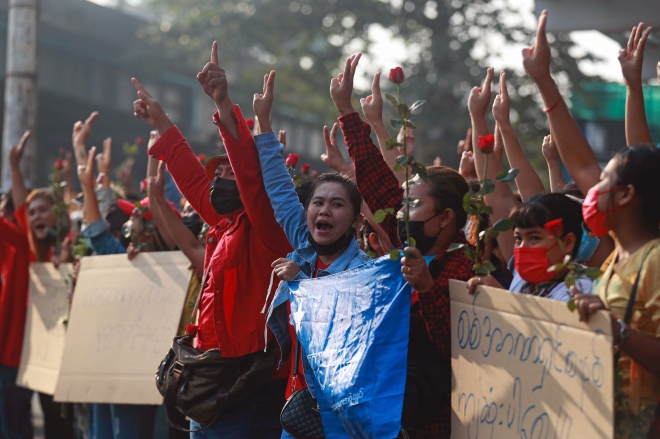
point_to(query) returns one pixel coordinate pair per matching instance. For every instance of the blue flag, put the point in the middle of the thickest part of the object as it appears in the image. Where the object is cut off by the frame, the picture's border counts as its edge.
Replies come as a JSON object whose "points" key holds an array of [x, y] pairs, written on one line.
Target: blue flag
{"points": [[353, 327]]}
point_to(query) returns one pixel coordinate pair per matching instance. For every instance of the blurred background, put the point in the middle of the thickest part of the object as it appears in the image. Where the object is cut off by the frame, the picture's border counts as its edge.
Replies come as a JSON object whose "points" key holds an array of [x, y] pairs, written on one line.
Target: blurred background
{"points": [[89, 50]]}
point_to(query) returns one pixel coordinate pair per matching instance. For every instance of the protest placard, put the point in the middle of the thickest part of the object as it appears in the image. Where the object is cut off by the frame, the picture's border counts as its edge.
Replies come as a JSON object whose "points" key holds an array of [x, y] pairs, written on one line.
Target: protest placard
{"points": [[45, 328], [123, 318], [524, 366]]}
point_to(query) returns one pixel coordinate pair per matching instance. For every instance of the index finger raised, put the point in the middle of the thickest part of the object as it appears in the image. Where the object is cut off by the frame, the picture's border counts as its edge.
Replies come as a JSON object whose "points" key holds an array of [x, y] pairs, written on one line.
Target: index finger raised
{"points": [[214, 53]]}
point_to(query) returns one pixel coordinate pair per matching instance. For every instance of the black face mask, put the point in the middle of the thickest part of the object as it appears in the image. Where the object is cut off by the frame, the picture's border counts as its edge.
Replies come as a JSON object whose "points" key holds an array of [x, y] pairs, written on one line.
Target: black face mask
{"points": [[422, 242], [331, 249], [193, 223], [224, 196]]}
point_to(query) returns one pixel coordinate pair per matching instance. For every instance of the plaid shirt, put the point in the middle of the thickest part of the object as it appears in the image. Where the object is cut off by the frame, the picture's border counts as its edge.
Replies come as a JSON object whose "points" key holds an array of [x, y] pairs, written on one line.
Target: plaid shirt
{"points": [[381, 190]]}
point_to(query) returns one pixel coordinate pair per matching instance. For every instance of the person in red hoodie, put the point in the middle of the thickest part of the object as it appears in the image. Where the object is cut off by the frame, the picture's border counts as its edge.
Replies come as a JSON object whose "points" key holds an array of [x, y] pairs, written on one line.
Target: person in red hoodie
{"points": [[242, 242], [15, 407]]}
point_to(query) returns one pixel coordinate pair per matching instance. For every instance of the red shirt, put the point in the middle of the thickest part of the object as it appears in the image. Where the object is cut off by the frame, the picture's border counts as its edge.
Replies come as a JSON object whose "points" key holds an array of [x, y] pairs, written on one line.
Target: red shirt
{"points": [[300, 378], [241, 253], [14, 285]]}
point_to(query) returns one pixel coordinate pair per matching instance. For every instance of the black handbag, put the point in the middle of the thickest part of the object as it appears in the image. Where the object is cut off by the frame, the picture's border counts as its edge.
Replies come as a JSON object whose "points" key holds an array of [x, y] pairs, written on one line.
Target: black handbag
{"points": [[203, 385], [300, 416]]}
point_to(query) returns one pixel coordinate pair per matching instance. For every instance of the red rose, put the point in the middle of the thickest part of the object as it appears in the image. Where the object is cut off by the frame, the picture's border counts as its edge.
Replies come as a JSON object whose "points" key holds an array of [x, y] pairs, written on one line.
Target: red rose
{"points": [[59, 164], [292, 160], [143, 186], [191, 329], [396, 75], [201, 158], [486, 143], [555, 227], [250, 123], [139, 140], [305, 168]]}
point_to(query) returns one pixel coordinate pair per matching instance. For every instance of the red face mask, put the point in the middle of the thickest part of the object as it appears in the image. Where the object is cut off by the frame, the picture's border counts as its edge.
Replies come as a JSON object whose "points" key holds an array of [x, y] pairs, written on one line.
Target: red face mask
{"points": [[532, 264], [594, 218]]}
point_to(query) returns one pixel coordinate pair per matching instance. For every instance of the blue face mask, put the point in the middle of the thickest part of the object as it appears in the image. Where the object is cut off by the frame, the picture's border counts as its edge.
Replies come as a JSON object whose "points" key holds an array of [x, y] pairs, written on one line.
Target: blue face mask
{"points": [[587, 246]]}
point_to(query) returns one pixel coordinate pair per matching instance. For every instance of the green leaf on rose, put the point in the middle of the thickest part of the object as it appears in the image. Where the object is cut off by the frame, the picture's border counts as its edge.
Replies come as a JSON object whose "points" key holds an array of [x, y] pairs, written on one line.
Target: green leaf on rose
{"points": [[492, 232], [397, 167], [503, 225], [392, 143], [409, 124], [570, 279], [466, 200], [380, 214], [394, 255], [371, 254], [489, 266], [487, 187], [420, 170], [412, 242], [396, 123], [403, 110], [505, 176], [593, 273], [571, 305], [392, 99], [455, 246], [469, 252], [402, 160], [417, 105], [555, 267], [480, 270]]}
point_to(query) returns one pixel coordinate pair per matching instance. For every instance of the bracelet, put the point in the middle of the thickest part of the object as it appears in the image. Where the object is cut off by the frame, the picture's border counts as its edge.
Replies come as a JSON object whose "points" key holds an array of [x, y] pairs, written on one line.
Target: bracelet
{"points": [[551, 107]]}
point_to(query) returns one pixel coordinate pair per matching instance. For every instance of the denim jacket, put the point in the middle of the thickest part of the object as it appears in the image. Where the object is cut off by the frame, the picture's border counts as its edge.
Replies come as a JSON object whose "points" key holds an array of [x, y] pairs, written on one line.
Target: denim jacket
{"points": [[290, 214]]}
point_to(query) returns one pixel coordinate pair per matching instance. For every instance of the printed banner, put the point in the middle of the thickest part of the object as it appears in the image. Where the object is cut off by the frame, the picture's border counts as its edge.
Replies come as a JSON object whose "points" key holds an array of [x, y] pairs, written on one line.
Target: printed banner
{"points": [[45, 326], [525, 367], [353, 327], [123, 318]]}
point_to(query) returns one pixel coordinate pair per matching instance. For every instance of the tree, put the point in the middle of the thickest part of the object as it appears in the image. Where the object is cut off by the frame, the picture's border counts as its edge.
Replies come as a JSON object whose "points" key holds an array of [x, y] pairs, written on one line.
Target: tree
{"points": [[306, 40]]}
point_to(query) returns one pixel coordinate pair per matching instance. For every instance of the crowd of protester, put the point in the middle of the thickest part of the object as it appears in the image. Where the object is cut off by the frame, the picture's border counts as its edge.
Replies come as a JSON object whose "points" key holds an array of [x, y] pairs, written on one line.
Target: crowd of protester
{"points": [[241, 217]]}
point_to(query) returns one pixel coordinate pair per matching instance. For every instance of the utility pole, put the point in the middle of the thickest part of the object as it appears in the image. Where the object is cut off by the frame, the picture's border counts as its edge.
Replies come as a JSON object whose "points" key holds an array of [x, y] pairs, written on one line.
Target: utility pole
{"points": [[21, 87]]}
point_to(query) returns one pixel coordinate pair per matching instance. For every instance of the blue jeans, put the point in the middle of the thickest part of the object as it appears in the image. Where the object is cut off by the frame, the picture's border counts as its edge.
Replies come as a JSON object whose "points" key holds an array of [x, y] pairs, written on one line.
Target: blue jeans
{"points": [[15, 406], [258, 417], [121, 421]]}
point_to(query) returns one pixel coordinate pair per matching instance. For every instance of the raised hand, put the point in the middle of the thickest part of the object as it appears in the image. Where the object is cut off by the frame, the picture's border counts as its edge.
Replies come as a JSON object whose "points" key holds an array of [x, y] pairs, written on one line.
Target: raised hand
{"points": [[67, 166], [285, 269], [81, 132], [480, 96], [549, 149], [104, 159], [148, 108], [332, 157], [16, 152], [281, 136], [465, 145], [372, 105], [502, 103], [213, 79], [156, 185], [466, 167], [262, 103], [536, 59], [631, 57], [86, 171], [341, 87]]}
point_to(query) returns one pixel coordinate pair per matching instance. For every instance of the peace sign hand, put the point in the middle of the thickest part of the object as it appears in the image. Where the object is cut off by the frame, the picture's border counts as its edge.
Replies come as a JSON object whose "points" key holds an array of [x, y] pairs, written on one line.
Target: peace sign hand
{"points": [[213, 79], [332, 157], [341, 87], [372, 105], [502, 103], [631, 57]]}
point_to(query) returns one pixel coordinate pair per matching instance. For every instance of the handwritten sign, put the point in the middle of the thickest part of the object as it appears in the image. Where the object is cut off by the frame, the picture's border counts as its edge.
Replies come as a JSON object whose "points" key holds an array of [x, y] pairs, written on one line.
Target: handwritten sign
{"points": [[525, 367], [45, 329], [123, 318]]}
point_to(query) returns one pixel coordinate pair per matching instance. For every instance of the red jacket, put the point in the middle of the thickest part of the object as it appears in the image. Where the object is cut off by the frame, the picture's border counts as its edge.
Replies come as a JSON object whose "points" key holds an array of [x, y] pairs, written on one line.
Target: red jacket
{"points": [[240, 253], [14, 281]]}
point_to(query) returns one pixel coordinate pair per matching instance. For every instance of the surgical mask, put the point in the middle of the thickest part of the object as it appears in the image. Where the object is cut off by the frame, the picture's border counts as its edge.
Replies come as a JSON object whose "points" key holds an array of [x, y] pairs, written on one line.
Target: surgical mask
{"points": [[331, 249], [423, 243], [594, 218], [193, 222], [225, 197], [532, 264], [587, 246]]}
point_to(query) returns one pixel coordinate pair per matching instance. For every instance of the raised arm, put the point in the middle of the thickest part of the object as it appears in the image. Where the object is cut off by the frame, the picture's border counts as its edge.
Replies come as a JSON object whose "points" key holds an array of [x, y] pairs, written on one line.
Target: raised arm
{"points": [[574, 150], [372, 107], [172, 148], [527, 180], [501, 199], [549, 150], [168, 223], [86, 177], [631, 59], [81, 132], [18, 189], [104, 162]]}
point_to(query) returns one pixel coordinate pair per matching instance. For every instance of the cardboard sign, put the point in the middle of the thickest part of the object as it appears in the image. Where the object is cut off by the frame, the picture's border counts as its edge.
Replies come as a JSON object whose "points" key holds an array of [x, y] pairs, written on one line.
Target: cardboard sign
{"points": [[524, 366], [124, 316], [45, 328]]}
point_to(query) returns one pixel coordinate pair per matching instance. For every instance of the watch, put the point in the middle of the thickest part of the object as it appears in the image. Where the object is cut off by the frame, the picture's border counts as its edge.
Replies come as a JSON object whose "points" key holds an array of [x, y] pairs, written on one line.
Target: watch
{"points": [[621, 336]]}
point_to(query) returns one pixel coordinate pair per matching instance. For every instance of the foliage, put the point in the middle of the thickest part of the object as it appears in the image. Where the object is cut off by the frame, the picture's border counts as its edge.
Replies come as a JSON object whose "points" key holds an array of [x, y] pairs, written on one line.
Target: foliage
{"points": [[307, 40]]}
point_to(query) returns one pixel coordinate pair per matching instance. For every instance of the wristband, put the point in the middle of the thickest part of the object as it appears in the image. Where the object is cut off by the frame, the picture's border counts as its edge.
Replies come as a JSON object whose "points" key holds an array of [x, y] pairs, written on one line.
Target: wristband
{"points": [[551, 107]]}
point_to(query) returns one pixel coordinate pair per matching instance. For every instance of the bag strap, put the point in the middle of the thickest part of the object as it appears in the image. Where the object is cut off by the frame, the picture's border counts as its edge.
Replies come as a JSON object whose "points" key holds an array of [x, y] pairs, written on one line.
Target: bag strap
{"points": [[296, 360], [193, 316], [631, 300]]}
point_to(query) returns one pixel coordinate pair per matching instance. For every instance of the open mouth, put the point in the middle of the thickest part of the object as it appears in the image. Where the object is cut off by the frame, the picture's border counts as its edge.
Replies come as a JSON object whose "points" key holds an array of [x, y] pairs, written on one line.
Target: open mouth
{"points": [[40, 228], [323, 226]]}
